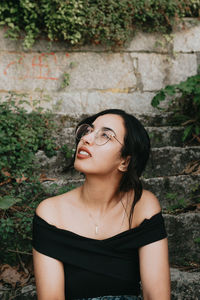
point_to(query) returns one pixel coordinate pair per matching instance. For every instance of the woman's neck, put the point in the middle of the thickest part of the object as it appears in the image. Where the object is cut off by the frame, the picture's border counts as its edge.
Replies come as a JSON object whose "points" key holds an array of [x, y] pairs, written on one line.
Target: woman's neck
{"points": [[100, 194]]}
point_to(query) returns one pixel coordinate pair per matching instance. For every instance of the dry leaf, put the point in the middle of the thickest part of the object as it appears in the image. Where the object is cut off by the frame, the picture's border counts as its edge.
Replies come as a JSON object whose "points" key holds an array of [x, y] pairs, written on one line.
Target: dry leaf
{"points": [[5, 173], [192, 168], [21, 179], [12, 276], [5, 182], [44, 178]]}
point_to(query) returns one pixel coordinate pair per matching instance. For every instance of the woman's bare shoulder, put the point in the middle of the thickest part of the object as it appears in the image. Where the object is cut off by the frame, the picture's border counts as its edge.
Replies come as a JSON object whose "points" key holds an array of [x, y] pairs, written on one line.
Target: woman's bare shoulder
{"points": [[50, 208], [146, 207]]}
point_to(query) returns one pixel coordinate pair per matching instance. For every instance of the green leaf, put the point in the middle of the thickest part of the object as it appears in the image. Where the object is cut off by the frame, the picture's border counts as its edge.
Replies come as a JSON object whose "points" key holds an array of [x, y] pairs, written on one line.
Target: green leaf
{"points": [[8, 201], [158, 98], [170, 90], [187, 132]]}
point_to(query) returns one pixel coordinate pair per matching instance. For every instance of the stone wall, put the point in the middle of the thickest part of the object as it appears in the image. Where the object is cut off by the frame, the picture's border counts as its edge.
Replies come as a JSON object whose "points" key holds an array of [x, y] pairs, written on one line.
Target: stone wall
{"points": [[125, 78]]}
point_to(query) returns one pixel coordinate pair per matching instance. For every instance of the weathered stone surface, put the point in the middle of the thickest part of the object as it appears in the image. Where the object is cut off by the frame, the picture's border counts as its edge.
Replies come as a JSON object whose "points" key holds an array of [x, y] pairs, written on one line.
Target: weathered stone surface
{"points": [[156, 70], [173, 191], [93, 102], [55, 167], [75, 104], [169, 160], [27, 292], [183, 232], [114, 73], [185, 285], [149, 42], [183, 66], [46, 71], [188, 40], [165, 136], [151, 68]]}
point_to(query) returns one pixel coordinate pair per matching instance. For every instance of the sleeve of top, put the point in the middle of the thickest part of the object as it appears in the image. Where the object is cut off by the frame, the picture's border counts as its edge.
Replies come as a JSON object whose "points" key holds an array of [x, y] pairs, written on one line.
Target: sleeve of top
{"points": [[151, 230]]}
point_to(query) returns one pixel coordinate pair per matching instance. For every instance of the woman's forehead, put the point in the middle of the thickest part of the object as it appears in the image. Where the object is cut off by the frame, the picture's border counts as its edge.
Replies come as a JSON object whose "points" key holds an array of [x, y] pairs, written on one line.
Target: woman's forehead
{"points": [[115, 122]]}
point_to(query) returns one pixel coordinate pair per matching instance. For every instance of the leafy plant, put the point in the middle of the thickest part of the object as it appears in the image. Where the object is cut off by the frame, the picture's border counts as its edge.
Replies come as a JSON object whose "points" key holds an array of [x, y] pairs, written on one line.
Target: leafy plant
{"points": [[197, 240], [66, 80], [184, 104], [22, 134], [88, 21]]}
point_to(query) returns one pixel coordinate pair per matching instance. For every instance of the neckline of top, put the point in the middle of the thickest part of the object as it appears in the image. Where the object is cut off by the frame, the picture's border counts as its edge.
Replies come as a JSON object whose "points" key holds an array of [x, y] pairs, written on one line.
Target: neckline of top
{"points": [[128, 231], [101, 240]]}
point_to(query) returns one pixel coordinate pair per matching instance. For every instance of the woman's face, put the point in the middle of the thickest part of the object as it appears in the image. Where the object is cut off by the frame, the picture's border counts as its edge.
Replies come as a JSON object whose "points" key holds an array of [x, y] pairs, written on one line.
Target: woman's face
{"points": [[105, 159]]}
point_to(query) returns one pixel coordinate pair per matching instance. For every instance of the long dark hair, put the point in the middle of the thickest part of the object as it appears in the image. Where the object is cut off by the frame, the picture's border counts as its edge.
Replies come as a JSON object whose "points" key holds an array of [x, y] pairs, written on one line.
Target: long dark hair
{"points": [[136, 145]]}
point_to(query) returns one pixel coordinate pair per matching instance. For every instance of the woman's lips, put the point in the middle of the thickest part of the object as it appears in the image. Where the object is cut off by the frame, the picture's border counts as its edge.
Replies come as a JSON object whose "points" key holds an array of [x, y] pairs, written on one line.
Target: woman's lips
{"points": [[83, 153]]}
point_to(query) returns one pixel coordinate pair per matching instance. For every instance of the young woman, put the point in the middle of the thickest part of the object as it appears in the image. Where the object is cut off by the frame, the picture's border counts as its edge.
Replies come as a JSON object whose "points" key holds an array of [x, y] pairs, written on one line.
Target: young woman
{"points": [[104, 237]]}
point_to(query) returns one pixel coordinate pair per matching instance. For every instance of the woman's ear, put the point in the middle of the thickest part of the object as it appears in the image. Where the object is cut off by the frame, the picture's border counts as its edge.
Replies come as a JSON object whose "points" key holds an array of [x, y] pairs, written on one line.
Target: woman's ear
{"points": [[124, 164]]}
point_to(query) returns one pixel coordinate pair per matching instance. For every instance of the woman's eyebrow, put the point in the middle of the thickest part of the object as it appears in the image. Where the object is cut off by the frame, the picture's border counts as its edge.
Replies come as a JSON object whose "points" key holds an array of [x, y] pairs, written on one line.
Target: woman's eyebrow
{"points": [[104, 128], [107, 128]]}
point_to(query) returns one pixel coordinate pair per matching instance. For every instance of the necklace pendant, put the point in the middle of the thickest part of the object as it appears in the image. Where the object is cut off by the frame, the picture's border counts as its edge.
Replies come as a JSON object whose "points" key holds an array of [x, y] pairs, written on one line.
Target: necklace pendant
{"points": [[96, 229]]}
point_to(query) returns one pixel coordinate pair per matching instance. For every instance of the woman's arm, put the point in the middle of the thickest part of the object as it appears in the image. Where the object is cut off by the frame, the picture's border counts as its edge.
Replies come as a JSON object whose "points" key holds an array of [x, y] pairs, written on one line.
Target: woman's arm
{"points": [[154, 270], [154, 260], [49, 272], [49, 276]]}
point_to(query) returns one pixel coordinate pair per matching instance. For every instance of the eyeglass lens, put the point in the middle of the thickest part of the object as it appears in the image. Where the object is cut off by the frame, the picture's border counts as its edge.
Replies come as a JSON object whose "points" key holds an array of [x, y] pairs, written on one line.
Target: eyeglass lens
{"points": [[101, 137]]}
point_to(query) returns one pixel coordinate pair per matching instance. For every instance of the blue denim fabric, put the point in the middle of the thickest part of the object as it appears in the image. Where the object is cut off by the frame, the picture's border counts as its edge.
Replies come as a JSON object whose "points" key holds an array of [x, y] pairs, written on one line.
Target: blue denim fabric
{"points": [[122, 297]]}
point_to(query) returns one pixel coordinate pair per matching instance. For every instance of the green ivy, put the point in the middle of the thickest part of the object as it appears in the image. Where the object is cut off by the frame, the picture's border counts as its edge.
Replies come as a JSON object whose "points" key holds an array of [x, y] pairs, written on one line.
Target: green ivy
{"points": [[22, 135], [184, 103], [91, 21]]}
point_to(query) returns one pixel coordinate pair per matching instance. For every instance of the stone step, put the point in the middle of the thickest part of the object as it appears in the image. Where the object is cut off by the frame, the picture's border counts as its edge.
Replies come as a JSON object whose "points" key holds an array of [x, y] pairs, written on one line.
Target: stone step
{"points": [[165, 136], [185, 285], [169, 161], [183, 236], [175, 191]]}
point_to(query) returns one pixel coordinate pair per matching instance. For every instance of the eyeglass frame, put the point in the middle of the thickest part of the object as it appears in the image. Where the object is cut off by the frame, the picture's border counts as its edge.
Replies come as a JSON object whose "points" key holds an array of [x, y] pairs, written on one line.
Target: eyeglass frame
{"points": [[113, 135]]}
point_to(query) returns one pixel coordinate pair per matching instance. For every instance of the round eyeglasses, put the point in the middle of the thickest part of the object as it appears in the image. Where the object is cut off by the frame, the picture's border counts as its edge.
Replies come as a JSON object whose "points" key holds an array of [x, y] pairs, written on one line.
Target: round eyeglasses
{"points": [[102, 136]]}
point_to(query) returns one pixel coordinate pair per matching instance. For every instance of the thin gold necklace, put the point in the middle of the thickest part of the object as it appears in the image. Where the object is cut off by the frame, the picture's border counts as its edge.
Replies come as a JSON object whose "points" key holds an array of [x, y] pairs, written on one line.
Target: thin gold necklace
{"points": [[97, 225]]}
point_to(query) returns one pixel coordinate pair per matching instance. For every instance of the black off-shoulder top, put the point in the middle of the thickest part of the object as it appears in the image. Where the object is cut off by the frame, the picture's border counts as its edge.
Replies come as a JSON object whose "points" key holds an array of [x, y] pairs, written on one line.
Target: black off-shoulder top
{"points": [[94, 267]]}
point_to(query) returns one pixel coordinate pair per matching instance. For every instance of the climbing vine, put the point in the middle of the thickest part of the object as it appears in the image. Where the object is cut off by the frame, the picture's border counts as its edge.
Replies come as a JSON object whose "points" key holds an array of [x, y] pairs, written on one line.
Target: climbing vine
{"points": [[91, 21]]}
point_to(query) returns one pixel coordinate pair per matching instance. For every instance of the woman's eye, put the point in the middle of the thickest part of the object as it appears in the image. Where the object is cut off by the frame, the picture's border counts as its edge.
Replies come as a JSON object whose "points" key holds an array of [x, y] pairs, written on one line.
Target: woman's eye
{"points": [[105, 135]]}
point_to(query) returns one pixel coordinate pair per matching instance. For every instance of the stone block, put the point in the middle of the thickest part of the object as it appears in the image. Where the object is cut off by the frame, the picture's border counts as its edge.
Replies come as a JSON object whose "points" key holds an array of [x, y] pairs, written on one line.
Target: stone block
{"points": [[188, 39], [165, 136], [173, 190], [185, 285], [150, 42], [169, 161], [181, 67], [183, 232], [46, 71], [77, 104], [151, 68]]}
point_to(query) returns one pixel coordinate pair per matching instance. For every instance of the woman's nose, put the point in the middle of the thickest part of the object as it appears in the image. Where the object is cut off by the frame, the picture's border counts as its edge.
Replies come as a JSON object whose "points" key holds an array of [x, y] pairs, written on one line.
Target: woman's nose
{"points": [[89, 138]]}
